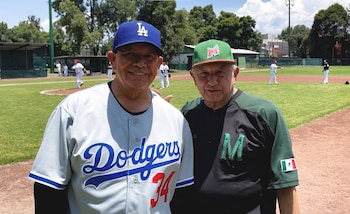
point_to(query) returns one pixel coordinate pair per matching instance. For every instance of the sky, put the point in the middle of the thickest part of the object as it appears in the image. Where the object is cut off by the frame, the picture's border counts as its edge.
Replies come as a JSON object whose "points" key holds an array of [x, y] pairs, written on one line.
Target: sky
{"points": [[271, 16]]}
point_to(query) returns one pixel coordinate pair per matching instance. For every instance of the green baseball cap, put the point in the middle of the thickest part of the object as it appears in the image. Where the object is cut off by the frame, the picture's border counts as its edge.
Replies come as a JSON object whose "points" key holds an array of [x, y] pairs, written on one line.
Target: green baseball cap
{"points": [[212, 51]]}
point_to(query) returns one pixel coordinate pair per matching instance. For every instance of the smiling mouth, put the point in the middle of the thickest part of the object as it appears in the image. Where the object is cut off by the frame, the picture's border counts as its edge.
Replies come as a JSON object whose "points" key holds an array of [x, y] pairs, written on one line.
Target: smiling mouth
{"points": [[212, 90], [138, 73]]}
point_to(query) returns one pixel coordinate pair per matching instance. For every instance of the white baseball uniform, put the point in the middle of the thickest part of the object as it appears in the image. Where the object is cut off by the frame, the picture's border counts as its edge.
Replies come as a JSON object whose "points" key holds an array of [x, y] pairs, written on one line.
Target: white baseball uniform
{"points": [[109, 72], [58, 65], [161, 75], [166, 76], [79, 70], [65, 70], [273, 72], [112, 161]]}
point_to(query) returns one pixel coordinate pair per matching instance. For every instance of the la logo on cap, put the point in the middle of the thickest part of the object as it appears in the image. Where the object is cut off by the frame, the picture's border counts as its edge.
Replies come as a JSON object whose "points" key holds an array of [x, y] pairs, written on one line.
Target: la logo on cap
{"points": [[142, 30], [211, 52]]}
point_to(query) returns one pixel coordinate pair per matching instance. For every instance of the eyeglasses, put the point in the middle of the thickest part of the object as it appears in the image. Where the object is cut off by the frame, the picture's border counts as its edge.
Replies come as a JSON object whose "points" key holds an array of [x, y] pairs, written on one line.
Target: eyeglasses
{"points": [[132, 56]]}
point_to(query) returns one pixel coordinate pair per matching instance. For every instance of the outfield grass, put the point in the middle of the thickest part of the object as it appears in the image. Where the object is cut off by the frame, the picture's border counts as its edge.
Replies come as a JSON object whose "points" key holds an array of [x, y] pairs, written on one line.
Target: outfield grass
{"points": [[300, 70], [24, 111]]}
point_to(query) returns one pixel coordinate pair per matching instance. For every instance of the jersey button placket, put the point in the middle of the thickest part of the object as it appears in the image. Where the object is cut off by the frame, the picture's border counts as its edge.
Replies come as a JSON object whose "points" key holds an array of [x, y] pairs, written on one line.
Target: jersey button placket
{"points": [[136, 179], [135, 142]]}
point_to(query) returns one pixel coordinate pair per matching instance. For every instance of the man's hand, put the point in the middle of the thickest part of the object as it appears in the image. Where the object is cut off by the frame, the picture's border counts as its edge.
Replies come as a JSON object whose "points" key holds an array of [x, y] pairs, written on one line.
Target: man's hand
{"points": [[167, 98]]}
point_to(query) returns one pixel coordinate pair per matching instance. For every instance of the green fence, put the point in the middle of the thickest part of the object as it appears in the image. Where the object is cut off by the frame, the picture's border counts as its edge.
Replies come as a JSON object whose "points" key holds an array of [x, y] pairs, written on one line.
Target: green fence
{"points": [[291, 61], [178, 67], [245, 62], [36, 72]]}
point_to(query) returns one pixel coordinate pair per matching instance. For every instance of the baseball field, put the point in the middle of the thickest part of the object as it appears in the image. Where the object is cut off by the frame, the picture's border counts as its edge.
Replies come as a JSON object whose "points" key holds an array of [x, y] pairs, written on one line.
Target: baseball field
{"points": [[318, 116]]}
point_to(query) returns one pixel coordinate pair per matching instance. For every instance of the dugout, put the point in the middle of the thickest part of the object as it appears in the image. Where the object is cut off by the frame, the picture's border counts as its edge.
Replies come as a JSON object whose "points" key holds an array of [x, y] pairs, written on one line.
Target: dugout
{"points": [[94, 64], [23, 59]]}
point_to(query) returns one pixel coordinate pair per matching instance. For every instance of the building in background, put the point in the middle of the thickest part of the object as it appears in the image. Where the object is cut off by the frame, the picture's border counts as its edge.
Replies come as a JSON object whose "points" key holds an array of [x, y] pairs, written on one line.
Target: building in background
{"points": [[273, 47]]}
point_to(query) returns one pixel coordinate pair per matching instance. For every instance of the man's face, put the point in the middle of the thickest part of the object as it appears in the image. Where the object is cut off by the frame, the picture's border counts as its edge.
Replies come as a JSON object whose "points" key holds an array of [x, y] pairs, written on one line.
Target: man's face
{"points": [[136, 65], [215, 82]]}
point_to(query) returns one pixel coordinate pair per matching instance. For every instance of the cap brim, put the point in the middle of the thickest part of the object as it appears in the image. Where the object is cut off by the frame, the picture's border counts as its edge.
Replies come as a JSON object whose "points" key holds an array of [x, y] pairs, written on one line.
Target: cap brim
{"points": [[214, 61], [159, 51]]}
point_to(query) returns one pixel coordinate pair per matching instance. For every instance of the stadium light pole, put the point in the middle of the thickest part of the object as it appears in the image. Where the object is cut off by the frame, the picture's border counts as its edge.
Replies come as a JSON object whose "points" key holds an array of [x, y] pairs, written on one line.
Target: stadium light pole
{"points": [[289, 3], [51, 37]]}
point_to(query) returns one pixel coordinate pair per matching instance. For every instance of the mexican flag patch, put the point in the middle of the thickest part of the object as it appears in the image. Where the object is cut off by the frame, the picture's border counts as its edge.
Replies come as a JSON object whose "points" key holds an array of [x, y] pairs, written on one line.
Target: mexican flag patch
{"points": [[288, 165]]}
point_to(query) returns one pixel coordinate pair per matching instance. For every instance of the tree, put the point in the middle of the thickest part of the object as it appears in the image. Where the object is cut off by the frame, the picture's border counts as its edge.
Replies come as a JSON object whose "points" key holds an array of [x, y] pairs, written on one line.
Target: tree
{"points": [[176, 32], [162, 15], [4, 32], [62, 45], [299, 40], [253, 38], [203, 21], [35, 21], [74, 22], [114, 12], [329, 28], [227, 27], [78, 3], [190, 36], [238, 31], [91, 23], [27, 32]]}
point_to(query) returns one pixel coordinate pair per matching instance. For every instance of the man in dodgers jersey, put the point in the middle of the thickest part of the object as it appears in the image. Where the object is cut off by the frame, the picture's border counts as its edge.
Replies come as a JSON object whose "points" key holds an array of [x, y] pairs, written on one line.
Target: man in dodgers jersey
{"points": [[242, 148], [103, 151]]}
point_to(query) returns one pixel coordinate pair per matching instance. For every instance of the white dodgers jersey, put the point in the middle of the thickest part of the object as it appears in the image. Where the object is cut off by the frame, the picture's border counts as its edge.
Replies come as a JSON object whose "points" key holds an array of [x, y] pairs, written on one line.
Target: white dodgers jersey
{"points": [[112, 161]]}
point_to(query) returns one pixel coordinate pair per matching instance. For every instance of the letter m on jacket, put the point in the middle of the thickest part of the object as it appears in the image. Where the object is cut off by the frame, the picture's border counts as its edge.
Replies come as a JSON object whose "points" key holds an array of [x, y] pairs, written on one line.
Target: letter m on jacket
{"points": [[232, 152]]}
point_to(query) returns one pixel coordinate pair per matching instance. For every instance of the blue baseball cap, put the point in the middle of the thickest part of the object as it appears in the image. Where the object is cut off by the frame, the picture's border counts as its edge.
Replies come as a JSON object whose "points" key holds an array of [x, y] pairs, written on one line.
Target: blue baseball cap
{"points": [[137, 32]]}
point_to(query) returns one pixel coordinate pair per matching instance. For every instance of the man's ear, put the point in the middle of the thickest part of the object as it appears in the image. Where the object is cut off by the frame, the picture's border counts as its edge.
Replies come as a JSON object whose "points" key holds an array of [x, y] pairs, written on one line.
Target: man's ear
{"points": [[160, 60], [191, 73], [111, 56], [193, 78], [236, 71]]}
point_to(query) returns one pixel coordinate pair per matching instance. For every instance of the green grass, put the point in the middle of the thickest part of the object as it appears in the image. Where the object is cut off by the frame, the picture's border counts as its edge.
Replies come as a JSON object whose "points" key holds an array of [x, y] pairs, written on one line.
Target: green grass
{"points": [[24, 111], [300, 70]]}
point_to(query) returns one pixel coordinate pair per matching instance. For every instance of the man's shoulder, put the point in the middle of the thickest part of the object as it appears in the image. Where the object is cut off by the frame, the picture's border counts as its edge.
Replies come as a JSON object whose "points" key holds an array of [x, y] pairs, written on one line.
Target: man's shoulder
{"points": [[253, 102], [191, 104]]}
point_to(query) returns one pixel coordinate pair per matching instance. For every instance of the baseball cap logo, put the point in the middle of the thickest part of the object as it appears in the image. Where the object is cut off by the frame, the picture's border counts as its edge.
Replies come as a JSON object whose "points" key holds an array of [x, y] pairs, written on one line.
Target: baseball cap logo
{"points": [[211, 52], [142, 30]]}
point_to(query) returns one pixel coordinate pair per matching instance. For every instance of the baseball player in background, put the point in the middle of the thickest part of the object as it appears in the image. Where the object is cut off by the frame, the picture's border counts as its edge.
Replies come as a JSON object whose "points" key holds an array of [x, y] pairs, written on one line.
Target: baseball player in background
{"points": [[109, 71], [65, 70], [79, 71], [102, 151], [161, 75], [325, 71], [273, 73], [166, 75], [59, 66], [242, 148]]}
